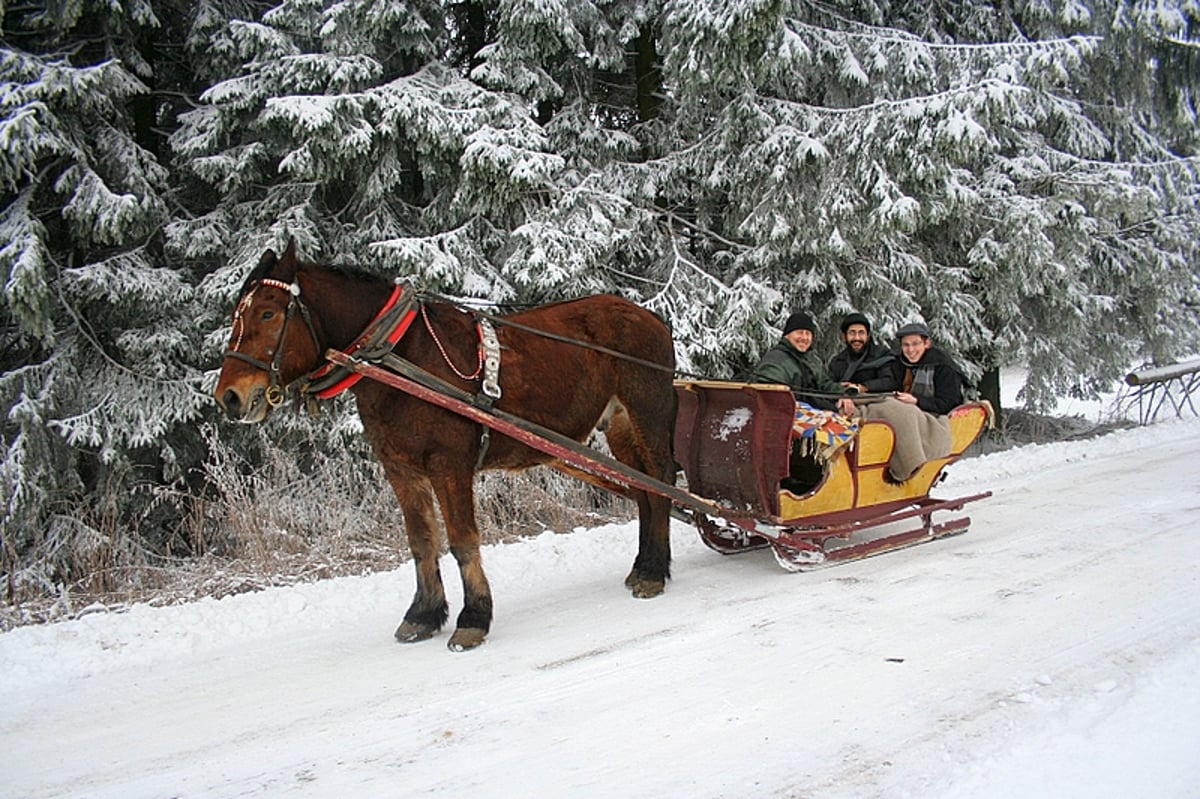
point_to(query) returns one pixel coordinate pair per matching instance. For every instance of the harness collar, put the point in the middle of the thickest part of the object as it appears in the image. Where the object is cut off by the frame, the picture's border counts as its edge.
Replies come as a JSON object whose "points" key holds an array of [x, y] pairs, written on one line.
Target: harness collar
{"points": [[381, 334]]}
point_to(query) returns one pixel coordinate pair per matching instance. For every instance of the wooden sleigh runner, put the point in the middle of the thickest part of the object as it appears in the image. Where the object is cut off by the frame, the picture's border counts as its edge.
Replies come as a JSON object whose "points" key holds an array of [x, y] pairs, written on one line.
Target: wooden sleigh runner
{"points": [[736, 445]]}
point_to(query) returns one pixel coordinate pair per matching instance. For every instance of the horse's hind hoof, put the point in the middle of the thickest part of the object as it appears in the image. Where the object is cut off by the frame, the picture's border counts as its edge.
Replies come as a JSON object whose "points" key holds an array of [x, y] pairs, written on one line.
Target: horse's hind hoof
{"points": [[643, 588], [409, 633], [465, 638], [649, 588]]}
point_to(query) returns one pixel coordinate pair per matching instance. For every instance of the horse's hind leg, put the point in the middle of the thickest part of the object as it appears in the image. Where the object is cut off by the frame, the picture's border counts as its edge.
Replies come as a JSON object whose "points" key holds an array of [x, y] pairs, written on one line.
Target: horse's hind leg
{"points": [[428, 611], [648, 451], [456, 495]]}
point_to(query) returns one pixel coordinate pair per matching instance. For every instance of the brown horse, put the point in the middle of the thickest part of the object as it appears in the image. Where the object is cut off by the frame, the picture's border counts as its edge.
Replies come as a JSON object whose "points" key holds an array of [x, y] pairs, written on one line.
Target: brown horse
{"points": [[570, 366]]}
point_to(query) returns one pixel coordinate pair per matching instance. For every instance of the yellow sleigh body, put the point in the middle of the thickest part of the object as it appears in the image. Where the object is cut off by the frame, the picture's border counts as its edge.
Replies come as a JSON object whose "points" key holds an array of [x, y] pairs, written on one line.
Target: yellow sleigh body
{"points": [[736, 445]]}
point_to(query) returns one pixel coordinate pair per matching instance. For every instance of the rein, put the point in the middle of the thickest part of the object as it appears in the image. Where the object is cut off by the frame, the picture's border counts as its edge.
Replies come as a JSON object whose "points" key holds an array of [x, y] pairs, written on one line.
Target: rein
{"points": [[386, 329], [504, 321]]}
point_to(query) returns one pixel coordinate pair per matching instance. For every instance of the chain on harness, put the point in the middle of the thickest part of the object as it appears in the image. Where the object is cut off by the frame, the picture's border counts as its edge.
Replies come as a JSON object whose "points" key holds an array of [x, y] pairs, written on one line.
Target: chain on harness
{"points": [[488, 364]]}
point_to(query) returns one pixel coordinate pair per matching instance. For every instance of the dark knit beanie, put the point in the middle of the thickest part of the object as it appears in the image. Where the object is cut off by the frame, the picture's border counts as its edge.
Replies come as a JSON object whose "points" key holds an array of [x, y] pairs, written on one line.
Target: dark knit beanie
{"points": [[856, 319], [799, 321]]}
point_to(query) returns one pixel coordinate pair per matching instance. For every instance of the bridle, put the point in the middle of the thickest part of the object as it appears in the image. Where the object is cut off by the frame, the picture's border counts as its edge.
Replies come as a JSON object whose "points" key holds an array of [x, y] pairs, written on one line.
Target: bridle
{"points": [[276, 392]]}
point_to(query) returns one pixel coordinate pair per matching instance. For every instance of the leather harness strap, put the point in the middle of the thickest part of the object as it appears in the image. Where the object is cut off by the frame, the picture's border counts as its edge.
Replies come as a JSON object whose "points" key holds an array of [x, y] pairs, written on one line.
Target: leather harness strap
{"points": [[379, 337]]}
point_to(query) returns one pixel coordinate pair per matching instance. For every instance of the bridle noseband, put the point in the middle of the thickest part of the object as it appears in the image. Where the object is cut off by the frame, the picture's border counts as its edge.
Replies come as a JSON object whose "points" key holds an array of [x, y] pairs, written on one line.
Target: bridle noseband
{"points": [[276, 392]]}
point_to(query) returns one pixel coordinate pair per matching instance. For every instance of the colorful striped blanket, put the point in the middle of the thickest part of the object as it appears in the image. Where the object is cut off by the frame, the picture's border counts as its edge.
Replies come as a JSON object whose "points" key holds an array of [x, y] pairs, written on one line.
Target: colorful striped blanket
{"points": [[823, 432]]}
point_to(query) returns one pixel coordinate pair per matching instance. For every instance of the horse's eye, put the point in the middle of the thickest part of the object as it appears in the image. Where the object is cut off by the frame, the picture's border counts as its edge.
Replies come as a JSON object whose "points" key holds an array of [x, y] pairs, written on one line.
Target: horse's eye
{"points": [[268, 315]]}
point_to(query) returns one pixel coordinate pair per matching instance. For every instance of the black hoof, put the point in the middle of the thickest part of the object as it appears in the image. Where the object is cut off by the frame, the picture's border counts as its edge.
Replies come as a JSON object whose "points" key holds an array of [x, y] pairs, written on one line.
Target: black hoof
{"points": [[644, 587]]}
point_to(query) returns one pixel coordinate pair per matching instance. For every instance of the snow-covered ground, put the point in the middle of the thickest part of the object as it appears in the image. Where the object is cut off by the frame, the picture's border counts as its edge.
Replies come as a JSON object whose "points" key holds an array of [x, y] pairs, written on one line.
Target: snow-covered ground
{"points": [[1051, 651]]}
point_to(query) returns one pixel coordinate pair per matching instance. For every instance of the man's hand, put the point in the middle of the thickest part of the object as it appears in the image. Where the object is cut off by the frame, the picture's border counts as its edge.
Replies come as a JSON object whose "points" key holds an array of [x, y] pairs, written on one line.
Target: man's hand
{"points": [[905, 397], [846, 407]]}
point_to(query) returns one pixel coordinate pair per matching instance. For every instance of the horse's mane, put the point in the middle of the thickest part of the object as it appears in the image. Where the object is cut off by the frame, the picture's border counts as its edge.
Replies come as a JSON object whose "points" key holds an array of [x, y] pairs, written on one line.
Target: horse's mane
{"points": [[357, 274], [351, 272]]}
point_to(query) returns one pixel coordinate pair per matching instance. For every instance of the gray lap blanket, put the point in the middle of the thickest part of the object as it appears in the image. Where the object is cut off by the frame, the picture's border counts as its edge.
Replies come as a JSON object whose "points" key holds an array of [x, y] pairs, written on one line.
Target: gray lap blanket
{"points": [[920, 436]]}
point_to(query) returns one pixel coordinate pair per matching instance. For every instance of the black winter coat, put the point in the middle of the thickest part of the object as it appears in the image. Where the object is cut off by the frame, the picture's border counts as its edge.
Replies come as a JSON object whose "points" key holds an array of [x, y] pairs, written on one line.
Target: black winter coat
{"points": [[936, 381], [877, 368]]}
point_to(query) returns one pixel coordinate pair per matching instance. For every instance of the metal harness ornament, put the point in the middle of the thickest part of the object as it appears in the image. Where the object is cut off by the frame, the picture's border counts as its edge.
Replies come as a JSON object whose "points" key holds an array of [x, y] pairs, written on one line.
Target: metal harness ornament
{"points": [[491, 358]]}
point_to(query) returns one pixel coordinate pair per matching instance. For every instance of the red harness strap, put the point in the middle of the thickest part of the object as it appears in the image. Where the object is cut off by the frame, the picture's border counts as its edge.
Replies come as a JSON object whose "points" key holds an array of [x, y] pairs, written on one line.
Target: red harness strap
{"points": [[369, 335]]}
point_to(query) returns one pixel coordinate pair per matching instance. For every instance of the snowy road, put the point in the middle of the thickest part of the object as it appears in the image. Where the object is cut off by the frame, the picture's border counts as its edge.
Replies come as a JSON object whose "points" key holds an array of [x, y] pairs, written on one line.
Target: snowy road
{"points": [[1052, 651]]}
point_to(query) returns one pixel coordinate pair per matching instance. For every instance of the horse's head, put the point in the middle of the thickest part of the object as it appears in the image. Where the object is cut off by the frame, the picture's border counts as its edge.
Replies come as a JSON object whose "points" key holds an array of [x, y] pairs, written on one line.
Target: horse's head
{"points": [[273, 341]]}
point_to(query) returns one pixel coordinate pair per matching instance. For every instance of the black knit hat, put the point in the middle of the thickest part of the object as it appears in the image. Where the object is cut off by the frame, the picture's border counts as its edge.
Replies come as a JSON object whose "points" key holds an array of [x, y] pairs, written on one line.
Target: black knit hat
{"points": [[799, 321], [856, 319]]}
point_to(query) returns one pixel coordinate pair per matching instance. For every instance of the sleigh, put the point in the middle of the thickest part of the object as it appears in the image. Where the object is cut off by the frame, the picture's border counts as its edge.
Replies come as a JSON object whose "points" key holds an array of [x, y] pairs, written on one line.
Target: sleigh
{"points": [[737, 445]]}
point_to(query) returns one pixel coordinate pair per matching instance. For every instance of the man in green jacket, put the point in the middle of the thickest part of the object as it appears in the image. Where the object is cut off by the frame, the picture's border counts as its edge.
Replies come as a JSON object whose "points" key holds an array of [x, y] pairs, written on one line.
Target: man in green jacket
{"points": [[792, 363]]}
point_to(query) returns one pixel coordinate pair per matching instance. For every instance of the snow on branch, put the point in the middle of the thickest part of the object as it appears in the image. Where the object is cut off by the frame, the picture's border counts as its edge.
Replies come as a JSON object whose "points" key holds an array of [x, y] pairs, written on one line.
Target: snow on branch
{"points": [[25, 138], [320, 73], [256, 41], [989, 88], [453, 259], [873, 36], [25, 259], [98, 213], [1186, 43], [124, 277]]}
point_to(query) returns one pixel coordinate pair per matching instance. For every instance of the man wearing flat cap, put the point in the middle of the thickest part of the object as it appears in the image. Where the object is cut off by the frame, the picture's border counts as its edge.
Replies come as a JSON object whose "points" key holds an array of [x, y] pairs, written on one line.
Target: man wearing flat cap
{"points": [[864, 363], [931, 379], [931, 387], [793, 363]]}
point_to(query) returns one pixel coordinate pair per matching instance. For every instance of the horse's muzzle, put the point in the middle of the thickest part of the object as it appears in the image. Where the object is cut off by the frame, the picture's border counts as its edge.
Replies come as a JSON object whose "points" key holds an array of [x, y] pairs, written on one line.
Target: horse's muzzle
{"points": [[246, 410]]}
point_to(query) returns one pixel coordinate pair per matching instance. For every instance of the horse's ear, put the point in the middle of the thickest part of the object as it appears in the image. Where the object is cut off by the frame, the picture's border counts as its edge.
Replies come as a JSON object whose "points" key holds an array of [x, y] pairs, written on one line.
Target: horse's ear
{"points": [[266, 264], [288, 261]]}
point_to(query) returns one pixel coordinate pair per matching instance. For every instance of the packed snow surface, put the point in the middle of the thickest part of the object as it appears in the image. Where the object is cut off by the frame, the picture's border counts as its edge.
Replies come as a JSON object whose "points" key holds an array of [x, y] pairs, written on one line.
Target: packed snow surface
{"points": [[1051, 651]]}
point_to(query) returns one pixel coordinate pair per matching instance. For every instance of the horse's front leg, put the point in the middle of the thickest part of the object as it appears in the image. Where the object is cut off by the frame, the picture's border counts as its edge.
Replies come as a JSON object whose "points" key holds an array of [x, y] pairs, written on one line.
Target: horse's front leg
{"points": [[456, 495], [428, 611]]}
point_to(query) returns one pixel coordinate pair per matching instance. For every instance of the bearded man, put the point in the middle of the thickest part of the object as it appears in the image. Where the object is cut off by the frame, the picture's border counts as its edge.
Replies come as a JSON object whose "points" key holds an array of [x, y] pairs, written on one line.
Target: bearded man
{"points": [[863, 363]]}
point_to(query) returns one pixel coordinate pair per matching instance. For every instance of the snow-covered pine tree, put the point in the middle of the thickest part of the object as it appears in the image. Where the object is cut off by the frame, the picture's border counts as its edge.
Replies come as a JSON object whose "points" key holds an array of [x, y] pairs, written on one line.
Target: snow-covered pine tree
{"points": [[97, 342], [947, 164], [352, 128], [1016, 176], [342, 125], [621, 216]]}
